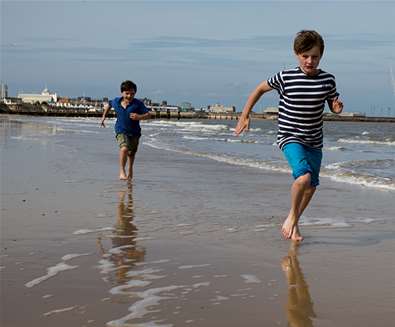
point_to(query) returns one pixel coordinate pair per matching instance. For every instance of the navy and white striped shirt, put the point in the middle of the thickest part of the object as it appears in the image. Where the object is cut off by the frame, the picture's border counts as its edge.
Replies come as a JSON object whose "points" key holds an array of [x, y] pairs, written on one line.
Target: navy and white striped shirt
{"points": [[301, 105]]}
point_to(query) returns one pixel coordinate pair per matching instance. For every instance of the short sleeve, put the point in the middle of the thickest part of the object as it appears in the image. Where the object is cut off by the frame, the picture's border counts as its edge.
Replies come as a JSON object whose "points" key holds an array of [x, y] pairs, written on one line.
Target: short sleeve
{"points": [[113, 102], [332, 94], [143, 109], [276, 82]]}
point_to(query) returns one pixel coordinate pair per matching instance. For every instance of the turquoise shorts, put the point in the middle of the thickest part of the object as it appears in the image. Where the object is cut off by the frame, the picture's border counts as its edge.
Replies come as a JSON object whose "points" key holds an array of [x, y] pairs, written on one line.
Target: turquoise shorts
{"points": [[302, 160]]}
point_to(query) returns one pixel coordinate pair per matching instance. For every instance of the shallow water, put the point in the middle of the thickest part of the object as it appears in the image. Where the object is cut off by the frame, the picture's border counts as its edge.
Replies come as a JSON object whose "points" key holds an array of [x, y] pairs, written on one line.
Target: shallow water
{"points": [[195, 237]]}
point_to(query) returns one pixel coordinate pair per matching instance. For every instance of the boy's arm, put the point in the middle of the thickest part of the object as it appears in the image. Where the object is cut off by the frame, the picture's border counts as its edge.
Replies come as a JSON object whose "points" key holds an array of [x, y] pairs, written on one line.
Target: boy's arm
{"points": [[143, 113], [244, 119], [335, 105], [106, 108], [144, 116]]}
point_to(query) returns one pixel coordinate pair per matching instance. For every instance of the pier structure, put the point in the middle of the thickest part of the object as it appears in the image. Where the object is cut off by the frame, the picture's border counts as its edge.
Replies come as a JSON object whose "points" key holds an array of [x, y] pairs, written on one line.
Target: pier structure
{"points": [[20, 108]]}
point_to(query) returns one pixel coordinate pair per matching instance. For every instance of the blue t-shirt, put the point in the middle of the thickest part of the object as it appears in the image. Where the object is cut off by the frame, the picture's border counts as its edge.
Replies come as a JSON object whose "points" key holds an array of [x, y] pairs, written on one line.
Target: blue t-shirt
{"points": [[124, 123]]}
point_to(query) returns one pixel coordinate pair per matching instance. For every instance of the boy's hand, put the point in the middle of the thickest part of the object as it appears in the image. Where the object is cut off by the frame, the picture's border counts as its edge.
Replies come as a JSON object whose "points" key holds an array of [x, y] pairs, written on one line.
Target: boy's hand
{"points": [[102, 124], [242, 125], [337, 106], [134, 116]]}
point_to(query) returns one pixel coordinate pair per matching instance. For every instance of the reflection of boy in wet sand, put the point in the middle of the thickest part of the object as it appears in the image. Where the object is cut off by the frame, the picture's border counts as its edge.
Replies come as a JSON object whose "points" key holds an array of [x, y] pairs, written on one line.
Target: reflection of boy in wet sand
{"points": [[299, 306], [127, 252]]}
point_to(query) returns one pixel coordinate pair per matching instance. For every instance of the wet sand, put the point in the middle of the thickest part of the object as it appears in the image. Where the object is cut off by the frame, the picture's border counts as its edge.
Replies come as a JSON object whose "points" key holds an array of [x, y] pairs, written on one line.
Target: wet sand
{"points": [[191, 242]]}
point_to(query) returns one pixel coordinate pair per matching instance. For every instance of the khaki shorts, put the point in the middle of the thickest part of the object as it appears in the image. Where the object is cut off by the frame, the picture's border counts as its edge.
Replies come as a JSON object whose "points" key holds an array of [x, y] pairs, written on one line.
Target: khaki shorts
{"points": [[131, 142]]}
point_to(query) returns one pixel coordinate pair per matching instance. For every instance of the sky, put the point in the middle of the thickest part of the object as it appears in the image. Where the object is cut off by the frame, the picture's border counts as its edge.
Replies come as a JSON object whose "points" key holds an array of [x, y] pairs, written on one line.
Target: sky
{"points": [[203, 52]]}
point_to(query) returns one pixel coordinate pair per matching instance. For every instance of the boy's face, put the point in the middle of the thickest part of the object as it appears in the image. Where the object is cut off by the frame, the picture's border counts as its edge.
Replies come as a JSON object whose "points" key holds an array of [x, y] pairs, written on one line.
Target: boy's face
{"points": [[309, 60], [128, 95]]}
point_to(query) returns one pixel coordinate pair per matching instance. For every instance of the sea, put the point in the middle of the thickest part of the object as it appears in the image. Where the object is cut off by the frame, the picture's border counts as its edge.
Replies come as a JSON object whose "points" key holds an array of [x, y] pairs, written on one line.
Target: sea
{"points": [[354, 152], [357, 153]]}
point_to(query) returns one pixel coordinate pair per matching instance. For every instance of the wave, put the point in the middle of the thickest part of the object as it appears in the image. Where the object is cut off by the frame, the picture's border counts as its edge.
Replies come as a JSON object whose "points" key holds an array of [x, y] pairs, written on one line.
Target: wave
{"points": [[231, 160], [354, 141], [332, 171], [347, 171], [191, 126], [365, 164], [228, 140], [335, 148]]}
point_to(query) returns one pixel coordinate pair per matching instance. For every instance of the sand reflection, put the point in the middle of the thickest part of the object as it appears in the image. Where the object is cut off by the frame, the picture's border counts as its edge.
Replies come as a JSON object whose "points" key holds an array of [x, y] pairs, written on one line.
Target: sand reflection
{"points": [[124, 252], [300, 305]]}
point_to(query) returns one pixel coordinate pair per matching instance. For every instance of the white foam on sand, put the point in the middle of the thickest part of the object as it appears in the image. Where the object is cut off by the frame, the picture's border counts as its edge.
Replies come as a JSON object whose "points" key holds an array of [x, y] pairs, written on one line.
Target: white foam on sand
{"points": [[249, 279], [197, 285], [51, 272], [149, 299], [73, 255], [219, 298], [143, 272], [118, 250], [336, 222], [121, 289], [49, 313], [87, 231], [152, 262], [194, 266], [106, 266]]}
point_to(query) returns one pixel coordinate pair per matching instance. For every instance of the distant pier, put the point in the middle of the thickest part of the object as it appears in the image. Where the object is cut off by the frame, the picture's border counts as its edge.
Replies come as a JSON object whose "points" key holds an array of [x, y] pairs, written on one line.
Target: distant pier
{"points": [[46, 110]]}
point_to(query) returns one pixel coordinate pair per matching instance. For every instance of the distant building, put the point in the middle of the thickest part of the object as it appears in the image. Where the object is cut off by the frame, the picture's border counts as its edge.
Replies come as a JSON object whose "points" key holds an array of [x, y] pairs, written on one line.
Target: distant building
{"points": [[44, 96], [12, 100], [186, 106], [271, 112], [160, 107], [346, 114], [220, 108], [3, 91]]}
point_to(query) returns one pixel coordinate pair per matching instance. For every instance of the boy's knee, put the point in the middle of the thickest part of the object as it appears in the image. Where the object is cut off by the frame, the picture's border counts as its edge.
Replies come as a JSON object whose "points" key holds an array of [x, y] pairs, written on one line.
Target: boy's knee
{"points": [[310, 190], [124, 150], [304, 180]]}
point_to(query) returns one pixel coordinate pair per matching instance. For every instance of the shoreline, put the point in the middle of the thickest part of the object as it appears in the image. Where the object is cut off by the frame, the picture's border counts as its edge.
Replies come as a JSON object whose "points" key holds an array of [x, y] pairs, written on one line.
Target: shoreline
{"points": [[41, 110]]}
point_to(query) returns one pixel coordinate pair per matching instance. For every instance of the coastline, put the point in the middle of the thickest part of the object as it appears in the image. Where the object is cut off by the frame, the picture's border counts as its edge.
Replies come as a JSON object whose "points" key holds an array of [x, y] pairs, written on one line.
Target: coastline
{"points": [[188, 243], [44, 110]]}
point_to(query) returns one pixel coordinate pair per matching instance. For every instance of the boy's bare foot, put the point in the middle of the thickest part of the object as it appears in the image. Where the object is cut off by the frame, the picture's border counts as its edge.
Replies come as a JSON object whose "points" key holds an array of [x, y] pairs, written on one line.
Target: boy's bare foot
{"points": [[296, 236], [123, 177], [288, 228]]}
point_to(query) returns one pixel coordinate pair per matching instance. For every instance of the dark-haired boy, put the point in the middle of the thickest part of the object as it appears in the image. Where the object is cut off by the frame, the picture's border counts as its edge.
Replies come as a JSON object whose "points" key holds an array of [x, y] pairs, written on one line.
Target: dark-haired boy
{"points": [[129, 112], [303, 92]]}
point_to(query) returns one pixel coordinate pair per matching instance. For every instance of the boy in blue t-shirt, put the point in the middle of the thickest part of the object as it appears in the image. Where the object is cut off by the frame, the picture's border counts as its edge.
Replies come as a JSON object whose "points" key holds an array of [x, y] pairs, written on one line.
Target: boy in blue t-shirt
{"points": [[129, 112], [303, 92]]}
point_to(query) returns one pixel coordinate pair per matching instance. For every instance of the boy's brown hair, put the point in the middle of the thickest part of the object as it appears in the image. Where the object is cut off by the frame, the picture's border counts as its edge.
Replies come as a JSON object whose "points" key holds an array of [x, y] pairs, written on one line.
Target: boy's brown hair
{"points": [[128, 86], [305, 40]]}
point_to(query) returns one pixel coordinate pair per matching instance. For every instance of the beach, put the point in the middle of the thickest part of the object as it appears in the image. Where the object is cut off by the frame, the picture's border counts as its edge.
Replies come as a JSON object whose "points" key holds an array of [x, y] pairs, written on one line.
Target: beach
{"points": [[195, 239]]}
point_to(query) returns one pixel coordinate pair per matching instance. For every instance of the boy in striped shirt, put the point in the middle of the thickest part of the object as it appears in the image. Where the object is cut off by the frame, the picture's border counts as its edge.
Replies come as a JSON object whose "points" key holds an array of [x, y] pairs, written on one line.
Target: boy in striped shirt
{"points": [[303, 92]]}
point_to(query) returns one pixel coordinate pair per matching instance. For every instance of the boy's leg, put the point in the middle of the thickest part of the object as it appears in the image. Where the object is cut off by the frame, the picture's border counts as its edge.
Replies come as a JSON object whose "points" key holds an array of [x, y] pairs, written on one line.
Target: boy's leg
{"points": [[123, 157], [133, 143], [308, 194], [300, 197], [131, 162], [305, 164], [123, 154]]}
